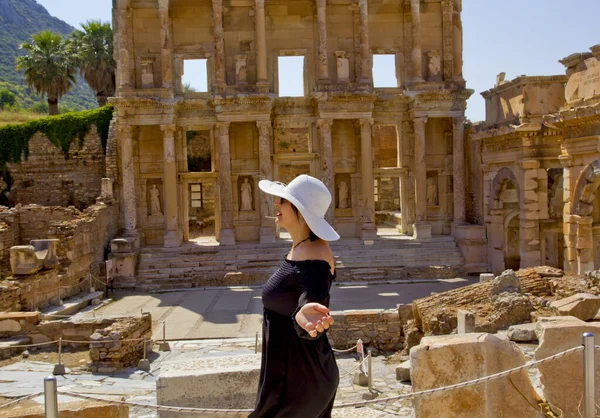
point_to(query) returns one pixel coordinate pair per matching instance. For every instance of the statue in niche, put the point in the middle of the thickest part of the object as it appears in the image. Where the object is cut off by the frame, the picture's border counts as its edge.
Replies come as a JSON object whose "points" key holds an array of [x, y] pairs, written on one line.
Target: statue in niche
{"points": [[343, 195], [246, 190], [432, 191], [155, 209], [435, 65]]}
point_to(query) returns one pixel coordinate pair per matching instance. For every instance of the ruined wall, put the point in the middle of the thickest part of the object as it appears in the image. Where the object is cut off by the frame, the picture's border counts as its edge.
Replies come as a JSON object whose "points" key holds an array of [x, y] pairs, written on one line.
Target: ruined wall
{"points": [[377, 328], [46, 177]]}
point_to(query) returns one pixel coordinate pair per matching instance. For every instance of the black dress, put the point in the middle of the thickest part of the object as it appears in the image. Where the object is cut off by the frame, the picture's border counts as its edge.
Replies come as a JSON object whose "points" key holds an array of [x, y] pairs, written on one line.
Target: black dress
{"points": [[299, 375]]}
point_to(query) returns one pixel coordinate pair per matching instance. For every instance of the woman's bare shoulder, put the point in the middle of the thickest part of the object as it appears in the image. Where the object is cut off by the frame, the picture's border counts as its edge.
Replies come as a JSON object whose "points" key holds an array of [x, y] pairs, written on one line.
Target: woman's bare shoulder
{"points": [[318, 250]]}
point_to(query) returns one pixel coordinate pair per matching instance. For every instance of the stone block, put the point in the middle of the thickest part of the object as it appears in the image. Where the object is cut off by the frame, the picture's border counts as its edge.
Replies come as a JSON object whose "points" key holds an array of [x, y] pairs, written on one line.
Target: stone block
{"points": [[506, 282], [486, 277], [45, 251], [522, 332], [124, 245], [79, 409], [23, 261], [583, 306], [403, 372], [218, 382], [9, 326], [446, 360], [465, 321], [422, 231], [562, 379]]}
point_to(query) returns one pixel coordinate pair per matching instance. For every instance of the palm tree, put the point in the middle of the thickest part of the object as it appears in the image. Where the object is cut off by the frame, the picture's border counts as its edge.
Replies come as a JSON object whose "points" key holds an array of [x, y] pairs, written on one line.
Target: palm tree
{"points": [[92, 49], [48, 69]]}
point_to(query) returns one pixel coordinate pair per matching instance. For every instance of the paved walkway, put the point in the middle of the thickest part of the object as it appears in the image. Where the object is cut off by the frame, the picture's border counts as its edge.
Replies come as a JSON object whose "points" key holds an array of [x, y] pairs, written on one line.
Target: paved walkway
{"points": [[237, 312]]}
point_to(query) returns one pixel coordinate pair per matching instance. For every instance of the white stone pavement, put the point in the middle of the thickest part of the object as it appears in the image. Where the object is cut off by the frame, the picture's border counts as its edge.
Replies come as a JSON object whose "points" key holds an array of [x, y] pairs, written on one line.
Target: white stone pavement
{"points": [[237, 312]]}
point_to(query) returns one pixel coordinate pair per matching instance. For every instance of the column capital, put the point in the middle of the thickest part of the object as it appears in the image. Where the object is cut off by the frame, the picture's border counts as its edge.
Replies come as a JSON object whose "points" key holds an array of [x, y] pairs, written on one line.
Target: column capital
{"points": [[458, 120], [168, 129], [529, 164], [125, 130], [260, 3], [447, 6], [566, 160], [421, 119], [223, 125], [123, 4], [163, 4], [321, 3], [325, 124], [264, 127], [366, 123]]}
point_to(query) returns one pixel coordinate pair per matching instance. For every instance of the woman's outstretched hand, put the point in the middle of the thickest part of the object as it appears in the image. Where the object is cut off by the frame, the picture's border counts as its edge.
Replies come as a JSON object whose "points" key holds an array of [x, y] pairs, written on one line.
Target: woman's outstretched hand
{"points": [[314, 318]]}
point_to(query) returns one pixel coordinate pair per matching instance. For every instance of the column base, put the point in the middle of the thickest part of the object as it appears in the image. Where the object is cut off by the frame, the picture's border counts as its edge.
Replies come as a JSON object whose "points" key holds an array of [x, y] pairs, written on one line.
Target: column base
{"points": [[368, 232], [262, 86], [173, 239], [227, 237], [422, 230], [267, 236]]}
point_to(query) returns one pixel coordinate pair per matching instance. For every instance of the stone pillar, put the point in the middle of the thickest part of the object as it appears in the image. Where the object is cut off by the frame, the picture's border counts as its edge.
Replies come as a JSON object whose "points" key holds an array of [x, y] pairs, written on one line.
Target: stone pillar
{"points": [[421, 228], [227, 233], [172, 237], [457, 41], [267, 226], [322, 66], [404, 201], [128, 173], [261, 43], [447, 42], [417, 57], [124, 59], [569, 221], [529, 223], [459, 170], [366, 69], [327, 168], [166, 42], [585, 244], [368, 228], [219, 36]]}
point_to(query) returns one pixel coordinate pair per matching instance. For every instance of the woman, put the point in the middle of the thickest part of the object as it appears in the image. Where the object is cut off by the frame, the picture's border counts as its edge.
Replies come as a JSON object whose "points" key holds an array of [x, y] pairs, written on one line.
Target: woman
{"points": [[299, 375]]}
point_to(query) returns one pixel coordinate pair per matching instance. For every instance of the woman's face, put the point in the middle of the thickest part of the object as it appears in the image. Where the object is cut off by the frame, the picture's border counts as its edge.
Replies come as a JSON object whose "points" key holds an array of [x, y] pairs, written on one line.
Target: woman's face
{"points": [[286, 216]]}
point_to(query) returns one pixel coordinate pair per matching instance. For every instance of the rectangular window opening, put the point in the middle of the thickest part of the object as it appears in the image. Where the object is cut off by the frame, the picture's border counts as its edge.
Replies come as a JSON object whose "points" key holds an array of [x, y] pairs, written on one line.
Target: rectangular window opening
{"points": [[195, 76], [384, 71], [291, 76]]}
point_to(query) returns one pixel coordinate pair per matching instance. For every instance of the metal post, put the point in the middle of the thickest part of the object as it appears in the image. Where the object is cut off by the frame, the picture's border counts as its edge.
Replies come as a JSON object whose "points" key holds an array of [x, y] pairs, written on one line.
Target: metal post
{"points": [[50, 397], [256, 343], [144, 364], [164, 346], [370, 368], [589, 391], [59, 369]]}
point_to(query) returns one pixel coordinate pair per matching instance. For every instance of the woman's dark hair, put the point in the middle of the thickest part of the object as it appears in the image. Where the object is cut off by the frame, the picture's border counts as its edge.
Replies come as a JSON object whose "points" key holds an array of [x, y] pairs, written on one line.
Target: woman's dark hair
{"points": [[312, 235]]}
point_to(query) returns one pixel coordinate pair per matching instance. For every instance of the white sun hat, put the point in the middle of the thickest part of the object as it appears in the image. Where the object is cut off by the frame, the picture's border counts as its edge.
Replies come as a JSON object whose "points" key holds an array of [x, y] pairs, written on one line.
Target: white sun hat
{"points": [[312, 199]]}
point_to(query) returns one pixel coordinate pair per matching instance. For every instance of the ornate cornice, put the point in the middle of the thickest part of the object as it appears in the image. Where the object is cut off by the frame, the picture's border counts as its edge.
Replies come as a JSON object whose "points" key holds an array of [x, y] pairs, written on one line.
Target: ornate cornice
{"points": [[524, 81]]}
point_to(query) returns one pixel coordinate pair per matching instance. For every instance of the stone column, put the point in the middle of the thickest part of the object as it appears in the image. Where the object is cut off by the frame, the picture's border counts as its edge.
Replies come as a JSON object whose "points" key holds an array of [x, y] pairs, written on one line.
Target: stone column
{"points": [[327, 168], [458, 164], [322, 67], [529, 221], [261, 43], [417, 58], [404, 201], [368, 228], [457, 41], [421, 228], [585, 244], [569, 221], [219, 36], [172, 237], [227, 233], [166, 42], [267, 226], [365, 52], [123, 56], [447, 42], [128, 173]]}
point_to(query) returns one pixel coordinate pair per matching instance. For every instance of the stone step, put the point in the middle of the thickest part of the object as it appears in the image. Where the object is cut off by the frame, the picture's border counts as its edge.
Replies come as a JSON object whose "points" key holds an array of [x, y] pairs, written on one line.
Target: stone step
{"points": [[71, 306]]}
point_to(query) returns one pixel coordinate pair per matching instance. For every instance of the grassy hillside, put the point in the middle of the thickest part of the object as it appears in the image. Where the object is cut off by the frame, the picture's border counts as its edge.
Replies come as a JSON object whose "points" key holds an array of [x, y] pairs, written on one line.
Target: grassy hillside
{"points": [[19, 19]]}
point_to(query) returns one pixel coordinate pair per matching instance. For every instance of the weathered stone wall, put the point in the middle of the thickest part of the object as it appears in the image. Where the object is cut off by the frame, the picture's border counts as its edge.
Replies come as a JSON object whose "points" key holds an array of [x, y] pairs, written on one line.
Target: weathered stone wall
{"points": [[377, 328], [46, 177], [120, 345]]}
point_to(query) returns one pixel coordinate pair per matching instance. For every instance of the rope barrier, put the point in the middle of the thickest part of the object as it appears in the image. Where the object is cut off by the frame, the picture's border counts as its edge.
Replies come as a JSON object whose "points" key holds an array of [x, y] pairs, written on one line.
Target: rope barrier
{"points": [[33, 395], [342, 405], [345, 351], [351, 372]]}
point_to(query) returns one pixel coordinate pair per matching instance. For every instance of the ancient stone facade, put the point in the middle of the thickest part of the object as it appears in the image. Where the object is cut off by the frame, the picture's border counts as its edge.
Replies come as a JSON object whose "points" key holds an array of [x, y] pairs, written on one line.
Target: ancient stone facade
{"points": [[540, 155], [397, 149]]}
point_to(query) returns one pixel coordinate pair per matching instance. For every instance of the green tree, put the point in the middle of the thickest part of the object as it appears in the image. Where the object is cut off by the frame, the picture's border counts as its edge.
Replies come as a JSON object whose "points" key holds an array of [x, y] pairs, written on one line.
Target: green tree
{"points": [[188, 88], [7, 99], [93, 51], [49, 71]]}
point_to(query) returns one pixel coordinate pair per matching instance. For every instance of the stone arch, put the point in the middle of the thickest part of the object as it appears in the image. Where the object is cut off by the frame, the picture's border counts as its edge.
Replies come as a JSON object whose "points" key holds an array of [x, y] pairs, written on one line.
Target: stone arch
{"points": [[587, 185], [504, 176]]}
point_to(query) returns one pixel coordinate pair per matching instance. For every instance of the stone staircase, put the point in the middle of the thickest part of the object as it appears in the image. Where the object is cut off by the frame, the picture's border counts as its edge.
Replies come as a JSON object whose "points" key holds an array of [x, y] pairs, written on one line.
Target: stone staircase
{"points": [[391, 257]]}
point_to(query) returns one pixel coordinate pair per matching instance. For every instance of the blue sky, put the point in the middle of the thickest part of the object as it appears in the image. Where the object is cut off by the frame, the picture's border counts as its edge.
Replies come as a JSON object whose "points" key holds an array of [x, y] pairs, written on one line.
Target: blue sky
{"points": [[514, 36]]}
